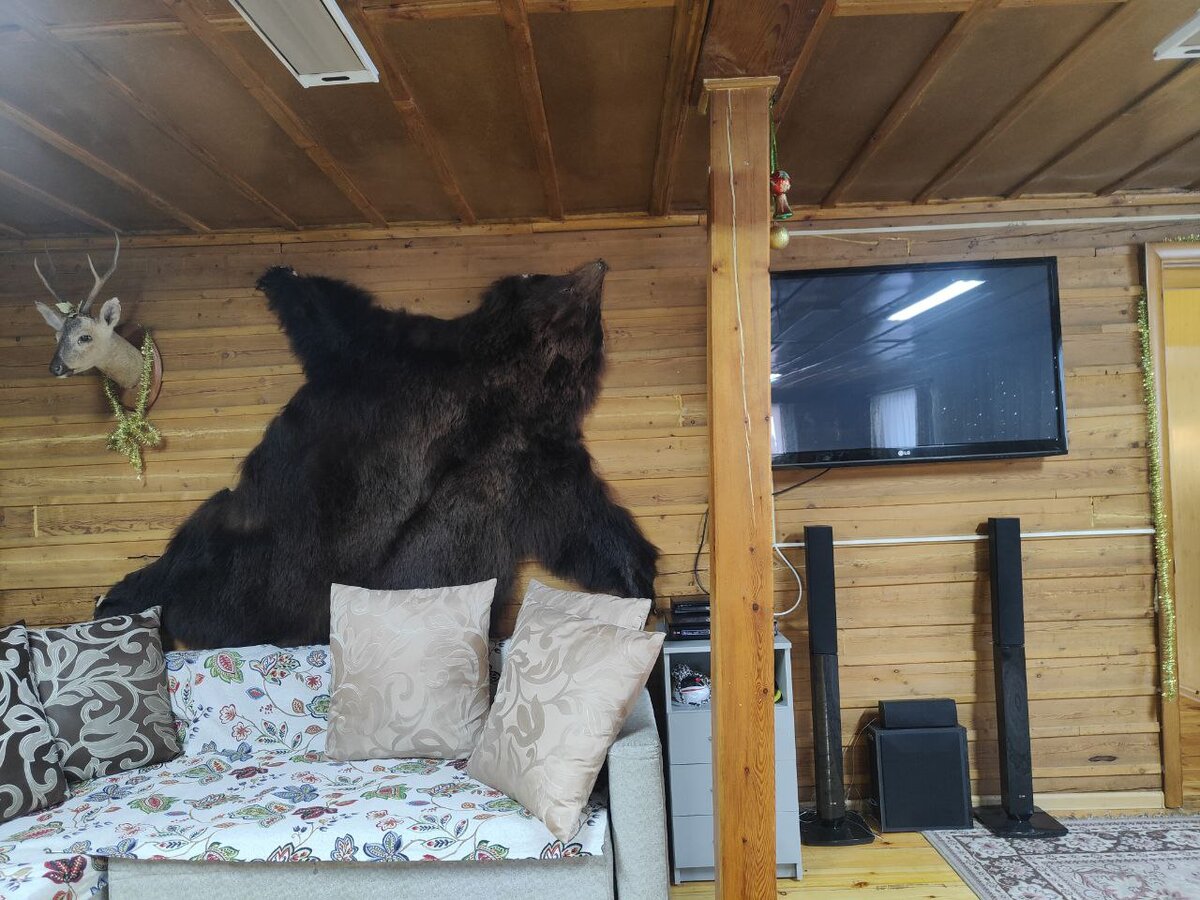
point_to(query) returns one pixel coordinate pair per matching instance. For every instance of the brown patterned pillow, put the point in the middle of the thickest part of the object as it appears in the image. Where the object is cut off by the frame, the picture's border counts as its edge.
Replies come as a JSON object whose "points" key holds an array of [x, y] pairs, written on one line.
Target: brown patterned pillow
{"points": [[410, 671], [103, 685], [568, 684], [30, 777], [624, 612]]}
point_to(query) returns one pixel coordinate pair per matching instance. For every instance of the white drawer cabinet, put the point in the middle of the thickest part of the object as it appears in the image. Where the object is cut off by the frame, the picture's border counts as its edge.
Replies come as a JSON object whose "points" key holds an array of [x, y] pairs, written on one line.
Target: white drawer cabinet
{"points": [[688, 756], [693, 845]]}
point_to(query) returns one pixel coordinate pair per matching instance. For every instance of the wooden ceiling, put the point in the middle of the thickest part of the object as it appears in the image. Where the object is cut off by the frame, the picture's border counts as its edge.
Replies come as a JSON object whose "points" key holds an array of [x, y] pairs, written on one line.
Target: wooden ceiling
{"points": [[172, 116]]}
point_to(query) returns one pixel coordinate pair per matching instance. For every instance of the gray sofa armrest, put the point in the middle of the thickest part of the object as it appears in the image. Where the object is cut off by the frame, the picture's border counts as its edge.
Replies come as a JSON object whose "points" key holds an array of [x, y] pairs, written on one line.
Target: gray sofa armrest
{"points": [[637, 808]]}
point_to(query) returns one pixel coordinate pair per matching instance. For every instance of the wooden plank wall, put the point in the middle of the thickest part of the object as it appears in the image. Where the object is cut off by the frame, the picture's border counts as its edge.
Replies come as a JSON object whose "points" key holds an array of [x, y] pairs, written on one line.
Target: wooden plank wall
{"points": [[74, 519], [914, 619]]}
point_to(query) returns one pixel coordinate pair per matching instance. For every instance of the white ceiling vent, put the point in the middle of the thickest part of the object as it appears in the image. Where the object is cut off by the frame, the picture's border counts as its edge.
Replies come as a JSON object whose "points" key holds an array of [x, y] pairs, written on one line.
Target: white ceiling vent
{"points": [[312, 38], [1182, 44]]}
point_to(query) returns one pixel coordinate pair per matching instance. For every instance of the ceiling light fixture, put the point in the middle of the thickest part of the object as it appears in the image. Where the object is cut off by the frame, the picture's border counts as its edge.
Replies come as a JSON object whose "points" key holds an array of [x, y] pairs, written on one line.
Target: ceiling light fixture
{"points": [[312, 38], [935, 299], [1183, 43]]}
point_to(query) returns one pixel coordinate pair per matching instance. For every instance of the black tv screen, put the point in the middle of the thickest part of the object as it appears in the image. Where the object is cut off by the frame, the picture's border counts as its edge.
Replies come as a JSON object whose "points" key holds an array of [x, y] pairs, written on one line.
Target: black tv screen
{"points": [[918, 362]]}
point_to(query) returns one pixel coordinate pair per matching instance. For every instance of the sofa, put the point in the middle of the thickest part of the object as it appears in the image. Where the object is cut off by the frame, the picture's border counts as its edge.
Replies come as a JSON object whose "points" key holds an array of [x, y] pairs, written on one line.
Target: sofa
{"points": [[252, 807]]}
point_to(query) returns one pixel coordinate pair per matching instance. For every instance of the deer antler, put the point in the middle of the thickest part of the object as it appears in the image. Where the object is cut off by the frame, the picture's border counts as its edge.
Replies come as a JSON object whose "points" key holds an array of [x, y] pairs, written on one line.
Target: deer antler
{"points": [[53, 292], [98, 279]]}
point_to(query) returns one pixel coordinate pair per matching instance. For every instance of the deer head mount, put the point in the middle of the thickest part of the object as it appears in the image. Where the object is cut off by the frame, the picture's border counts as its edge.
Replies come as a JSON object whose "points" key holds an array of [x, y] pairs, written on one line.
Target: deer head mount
{"points": [[84, 342]]}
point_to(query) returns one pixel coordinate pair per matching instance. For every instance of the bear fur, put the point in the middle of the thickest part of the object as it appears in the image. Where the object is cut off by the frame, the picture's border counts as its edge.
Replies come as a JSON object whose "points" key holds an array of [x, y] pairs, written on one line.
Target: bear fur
{"points": [[420, 452]]}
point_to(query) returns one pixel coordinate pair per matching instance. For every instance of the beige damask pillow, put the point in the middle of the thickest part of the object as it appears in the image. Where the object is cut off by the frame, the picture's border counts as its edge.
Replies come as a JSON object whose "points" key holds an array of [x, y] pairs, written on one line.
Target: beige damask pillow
{"points": [[410, 671], [625, 612], [567, 685]]}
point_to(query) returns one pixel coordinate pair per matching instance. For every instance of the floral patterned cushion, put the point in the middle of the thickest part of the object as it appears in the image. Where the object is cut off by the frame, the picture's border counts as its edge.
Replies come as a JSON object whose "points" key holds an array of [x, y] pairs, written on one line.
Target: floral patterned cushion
{"points": [[264, 696], [250, 699]]}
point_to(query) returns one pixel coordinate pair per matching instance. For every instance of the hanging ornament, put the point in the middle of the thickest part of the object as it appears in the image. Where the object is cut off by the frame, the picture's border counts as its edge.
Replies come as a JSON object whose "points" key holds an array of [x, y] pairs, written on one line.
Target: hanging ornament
{"points": [[781, 183]]}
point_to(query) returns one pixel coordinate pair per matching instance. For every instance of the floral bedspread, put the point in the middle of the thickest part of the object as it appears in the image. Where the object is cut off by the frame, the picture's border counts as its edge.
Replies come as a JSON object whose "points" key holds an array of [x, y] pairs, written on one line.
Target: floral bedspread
{"points": [[255, 785]]}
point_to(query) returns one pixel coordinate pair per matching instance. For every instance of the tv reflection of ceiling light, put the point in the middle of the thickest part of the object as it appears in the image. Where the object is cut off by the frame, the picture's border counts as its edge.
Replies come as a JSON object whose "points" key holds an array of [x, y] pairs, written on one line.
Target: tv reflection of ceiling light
{"points": [[935, 299], [775, 376]]}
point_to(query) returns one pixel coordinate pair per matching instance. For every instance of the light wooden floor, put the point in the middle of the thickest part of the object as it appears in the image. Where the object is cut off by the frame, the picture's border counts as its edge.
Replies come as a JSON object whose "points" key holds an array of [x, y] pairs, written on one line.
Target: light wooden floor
{"points": [[904, 865], [901, 866]]}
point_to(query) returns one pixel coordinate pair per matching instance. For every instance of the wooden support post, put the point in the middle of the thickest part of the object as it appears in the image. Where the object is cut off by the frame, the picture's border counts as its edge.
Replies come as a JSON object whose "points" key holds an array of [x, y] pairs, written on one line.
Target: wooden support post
{"points": [[739, 419]]}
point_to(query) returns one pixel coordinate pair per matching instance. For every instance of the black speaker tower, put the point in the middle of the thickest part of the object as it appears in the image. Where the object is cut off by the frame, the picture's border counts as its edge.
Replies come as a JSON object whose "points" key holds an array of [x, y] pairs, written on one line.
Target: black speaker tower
{"points": [[829, 824], [1016, 816]]}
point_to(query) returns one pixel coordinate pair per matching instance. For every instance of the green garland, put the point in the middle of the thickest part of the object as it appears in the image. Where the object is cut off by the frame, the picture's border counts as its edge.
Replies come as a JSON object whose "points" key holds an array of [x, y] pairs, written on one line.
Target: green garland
{"points": [[1165, 593], [1165, 598], [134, 431]]}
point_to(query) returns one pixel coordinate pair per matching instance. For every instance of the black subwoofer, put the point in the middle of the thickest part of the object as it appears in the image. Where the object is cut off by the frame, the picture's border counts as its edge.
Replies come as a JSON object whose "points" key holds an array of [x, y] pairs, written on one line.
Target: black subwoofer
{"points": [[919, 777]]}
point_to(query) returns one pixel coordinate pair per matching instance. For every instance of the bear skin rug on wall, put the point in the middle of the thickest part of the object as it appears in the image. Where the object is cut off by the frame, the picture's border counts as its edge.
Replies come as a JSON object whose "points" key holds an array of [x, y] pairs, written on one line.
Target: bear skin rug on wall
{"points": [[420, 452]]}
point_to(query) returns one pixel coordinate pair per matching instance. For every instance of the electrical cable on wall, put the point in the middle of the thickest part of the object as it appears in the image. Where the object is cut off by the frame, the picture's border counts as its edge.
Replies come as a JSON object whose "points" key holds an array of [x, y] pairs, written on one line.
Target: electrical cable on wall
{"points": [[775, 546]]}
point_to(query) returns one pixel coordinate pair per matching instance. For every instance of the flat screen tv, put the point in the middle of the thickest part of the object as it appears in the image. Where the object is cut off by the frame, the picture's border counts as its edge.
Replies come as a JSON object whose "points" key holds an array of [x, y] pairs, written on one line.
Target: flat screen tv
{"points": [[945, 361]]}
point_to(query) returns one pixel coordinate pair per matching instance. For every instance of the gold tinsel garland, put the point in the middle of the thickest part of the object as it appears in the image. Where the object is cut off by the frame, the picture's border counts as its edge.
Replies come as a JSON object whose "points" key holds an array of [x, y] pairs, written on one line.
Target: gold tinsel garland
{"points": [[134, 431], [1162, 551]]}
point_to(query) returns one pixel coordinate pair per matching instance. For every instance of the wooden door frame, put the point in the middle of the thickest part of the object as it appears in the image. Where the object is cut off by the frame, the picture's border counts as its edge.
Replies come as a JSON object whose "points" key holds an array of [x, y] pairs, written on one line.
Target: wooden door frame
{"points": [[1158, 258]]}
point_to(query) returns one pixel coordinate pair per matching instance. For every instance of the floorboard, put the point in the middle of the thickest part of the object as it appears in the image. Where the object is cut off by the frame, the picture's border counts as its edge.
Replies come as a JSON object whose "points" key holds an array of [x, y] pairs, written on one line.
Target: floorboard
{"points": [[903, 865]]}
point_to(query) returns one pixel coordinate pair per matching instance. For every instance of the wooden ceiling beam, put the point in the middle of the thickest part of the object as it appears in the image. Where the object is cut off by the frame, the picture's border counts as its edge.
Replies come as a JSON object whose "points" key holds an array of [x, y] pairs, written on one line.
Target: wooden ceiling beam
{"points": [[458, 9], [753, 38], [65, 145], [687, 31], [138, 28], [1142, 168], [151, 115], [912, 94], [396, 231], [791, 82], [284, 116], [916, 7], [21, 186], [1049, 80], [375, 9], [520, 39], [391, 76], [1179, 72]]}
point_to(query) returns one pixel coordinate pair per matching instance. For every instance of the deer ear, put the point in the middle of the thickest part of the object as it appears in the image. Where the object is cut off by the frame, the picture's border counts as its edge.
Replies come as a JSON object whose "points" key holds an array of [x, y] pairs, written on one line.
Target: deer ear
{"points": [[110, 312], [53, 319]]}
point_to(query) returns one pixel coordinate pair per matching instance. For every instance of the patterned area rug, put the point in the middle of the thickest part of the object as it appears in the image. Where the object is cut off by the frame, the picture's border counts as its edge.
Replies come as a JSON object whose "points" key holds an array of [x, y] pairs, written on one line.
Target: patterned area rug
{"points": [[1143, 858]]}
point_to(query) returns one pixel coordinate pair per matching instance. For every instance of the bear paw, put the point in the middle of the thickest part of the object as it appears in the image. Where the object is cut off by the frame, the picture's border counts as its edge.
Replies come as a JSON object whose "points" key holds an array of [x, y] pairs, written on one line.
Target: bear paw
{"points": [[274, 277]]}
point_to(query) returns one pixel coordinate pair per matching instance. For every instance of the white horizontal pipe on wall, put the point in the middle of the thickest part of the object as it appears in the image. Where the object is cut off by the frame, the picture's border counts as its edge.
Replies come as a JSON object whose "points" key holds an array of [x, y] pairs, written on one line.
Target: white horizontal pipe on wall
{"points": [[998, 223], [970, 538]]}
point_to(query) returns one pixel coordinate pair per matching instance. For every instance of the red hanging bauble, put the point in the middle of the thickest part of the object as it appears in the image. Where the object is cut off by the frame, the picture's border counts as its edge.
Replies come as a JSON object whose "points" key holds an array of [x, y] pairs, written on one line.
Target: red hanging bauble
{"points": [[781, 183]]}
